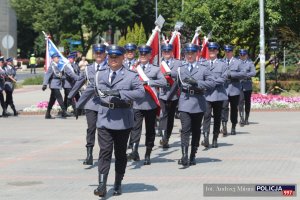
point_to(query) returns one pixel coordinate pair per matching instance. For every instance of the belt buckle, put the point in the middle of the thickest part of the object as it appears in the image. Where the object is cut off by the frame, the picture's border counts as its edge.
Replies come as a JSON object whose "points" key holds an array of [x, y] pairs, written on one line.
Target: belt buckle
{"points": [[192, 92], [111, 105]]}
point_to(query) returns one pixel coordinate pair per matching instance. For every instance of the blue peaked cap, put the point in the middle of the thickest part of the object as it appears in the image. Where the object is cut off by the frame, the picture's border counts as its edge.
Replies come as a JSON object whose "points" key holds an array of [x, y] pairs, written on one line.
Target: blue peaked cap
{"points": [[167, 47], [191, 48], [243, 51], [228, 47], [99, 48], [115, 50], [55, 55], [145, 49], [130, 47], [213, 45]]}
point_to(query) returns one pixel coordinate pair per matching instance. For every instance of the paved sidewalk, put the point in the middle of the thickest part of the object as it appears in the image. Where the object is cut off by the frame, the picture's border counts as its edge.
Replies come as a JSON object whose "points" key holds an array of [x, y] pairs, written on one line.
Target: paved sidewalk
{"points": [[42, 159]]}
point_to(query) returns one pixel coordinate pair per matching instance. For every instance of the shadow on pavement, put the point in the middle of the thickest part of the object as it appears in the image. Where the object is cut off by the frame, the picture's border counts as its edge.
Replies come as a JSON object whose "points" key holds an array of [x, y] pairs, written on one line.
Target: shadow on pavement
{"points": [[130, 188], [207, 160]]}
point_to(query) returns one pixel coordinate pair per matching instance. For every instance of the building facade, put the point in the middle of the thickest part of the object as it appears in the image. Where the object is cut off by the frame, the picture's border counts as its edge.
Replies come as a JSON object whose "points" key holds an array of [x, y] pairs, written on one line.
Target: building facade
{"points": [[8, 26]]}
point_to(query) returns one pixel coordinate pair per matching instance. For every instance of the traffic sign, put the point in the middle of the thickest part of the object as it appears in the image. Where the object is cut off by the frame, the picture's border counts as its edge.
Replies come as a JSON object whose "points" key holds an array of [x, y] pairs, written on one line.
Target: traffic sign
{"points": [[8, 41]]}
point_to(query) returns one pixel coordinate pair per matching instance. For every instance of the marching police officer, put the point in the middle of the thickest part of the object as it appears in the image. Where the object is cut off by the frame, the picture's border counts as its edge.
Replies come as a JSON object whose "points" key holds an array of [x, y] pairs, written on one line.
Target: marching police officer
{"points": [[130, 60], [233, 89], [53, 77], [71, 73], [245, 97], [9, 85], [117, 88], [146, 107], [216, 96], [2, 81], [193, 80], [90, 104], [168, 103]]}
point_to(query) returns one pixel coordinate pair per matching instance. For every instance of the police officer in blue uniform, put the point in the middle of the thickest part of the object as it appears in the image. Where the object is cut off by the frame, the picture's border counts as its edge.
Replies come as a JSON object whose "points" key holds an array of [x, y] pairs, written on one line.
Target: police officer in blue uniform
{"points": [[193, 79], [130, 60], [146, 107], [245, 97], [168, 103], [53, 77], [70, 74], [216, 96], [90, 104], [10, 72], [2, 81], [233, 89], [117, 88]]}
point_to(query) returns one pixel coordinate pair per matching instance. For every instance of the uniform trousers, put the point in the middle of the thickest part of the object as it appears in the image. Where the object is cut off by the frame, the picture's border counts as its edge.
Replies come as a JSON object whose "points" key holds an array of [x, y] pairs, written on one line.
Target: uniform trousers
{"points": [[91, 118], [216, 108], [150, 119], [234, 102], [245, 101], [9, 99], [108, 140], [56, 95], [67, 91], [166, 121], [190, 123], [2, 102]]}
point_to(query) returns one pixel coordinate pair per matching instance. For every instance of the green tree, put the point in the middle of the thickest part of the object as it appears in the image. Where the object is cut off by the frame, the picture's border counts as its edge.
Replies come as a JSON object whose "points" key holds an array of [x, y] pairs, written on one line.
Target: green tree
{"points": [[142, 36]]}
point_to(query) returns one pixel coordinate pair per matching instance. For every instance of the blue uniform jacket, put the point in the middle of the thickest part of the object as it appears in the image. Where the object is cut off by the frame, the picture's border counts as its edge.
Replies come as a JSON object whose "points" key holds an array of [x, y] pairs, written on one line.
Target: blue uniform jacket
{"points": [[220, 74], [194, 103], [156, 80], [164, 92]]}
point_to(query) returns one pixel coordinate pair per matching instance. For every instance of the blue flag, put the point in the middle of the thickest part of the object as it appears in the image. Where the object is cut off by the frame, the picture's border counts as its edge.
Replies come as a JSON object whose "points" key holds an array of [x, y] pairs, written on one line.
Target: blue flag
{"points": [[52, 49]]}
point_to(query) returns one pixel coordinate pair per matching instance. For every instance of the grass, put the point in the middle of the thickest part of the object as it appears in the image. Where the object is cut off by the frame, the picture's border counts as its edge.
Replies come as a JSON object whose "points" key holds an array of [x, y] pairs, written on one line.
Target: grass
{"points": [[37, 80]]}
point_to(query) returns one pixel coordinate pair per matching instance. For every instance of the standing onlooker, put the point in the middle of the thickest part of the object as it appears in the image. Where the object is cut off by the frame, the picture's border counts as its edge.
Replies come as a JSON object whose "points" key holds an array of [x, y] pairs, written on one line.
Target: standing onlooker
{"points": [[83, 63], [32, 63]]}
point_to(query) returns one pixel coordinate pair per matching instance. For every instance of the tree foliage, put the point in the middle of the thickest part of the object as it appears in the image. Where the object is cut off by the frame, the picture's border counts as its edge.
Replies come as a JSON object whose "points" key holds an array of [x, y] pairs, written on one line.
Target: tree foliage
{"points": [[134, 35]]}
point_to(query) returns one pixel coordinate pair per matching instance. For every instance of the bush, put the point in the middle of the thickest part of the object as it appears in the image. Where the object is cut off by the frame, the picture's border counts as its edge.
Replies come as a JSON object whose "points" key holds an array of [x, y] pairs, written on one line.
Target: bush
{"points": [[293, 86], [37, 80]]}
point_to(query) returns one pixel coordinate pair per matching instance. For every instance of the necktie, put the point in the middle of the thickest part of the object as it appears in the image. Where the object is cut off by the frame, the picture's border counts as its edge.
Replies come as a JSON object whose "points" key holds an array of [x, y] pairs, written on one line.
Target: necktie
{"points": [[228, 61], [167, 62], [98, 67], [129, 64], [211, 63], [191, 67], [113, 76], [143, 67]]}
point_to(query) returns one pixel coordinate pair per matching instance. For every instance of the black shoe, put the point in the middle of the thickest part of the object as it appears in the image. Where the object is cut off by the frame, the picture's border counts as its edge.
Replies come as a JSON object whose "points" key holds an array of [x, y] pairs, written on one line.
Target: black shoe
{"points": [[184, 159], [224, 129], [134, 155], [48, 115], [147, 156], [4, 113], [89, 156], [101, 190], [247, 119], [233, 132], [205, 141], [193, 155], [66, 114], [164, 142], [158, 133], [215, 141], [118, 184]]}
